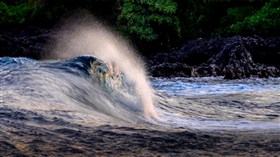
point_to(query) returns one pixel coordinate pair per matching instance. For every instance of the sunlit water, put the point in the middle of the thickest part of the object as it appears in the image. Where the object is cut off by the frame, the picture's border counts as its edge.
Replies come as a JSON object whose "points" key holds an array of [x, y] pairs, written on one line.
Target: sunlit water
{"points": [[215, 103], [74, 95], [191, 87]]}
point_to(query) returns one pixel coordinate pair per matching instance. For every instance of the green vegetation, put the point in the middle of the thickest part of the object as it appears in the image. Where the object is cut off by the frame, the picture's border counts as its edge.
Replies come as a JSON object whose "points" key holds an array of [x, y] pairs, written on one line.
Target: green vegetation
{"points": [[162, 23], [233, 16], [150, 22], [145, 19], [263, 22], [14, 13]]}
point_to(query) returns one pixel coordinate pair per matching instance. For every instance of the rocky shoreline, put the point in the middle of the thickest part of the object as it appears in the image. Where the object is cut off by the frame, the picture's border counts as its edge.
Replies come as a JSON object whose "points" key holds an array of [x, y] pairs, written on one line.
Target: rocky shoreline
{"points": [[27, 42], [234, 57]]}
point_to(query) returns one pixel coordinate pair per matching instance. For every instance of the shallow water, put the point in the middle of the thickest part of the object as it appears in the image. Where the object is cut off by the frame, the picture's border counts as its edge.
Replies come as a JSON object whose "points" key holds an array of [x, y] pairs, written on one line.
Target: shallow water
{"points": [[53, 108], [215, 103]]}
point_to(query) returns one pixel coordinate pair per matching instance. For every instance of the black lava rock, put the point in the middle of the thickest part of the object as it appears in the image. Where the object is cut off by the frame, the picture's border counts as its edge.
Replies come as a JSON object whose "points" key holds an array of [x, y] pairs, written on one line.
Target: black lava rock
{"points": [[28, 42], [233, 57]]}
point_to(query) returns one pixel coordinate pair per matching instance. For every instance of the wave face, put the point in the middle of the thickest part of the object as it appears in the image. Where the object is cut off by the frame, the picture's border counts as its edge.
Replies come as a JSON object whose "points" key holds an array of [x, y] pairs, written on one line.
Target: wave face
{"points": [[84, 83], [85, 87], [85, 107]]}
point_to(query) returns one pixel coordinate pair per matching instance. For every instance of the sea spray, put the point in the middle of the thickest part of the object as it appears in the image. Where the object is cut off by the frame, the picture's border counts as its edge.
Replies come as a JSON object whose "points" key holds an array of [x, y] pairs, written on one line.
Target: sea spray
{"points": [[87, 36]]}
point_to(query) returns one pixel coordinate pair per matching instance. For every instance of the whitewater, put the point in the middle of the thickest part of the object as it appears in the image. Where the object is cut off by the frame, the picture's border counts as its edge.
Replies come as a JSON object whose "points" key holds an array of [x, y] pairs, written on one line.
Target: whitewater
{"points": [[91, 96]]}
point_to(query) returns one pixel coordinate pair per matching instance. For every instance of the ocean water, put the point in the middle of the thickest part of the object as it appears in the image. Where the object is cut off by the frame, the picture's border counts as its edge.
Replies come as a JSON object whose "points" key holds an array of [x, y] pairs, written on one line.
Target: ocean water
{"points": [[81, 107], [215, 103]]}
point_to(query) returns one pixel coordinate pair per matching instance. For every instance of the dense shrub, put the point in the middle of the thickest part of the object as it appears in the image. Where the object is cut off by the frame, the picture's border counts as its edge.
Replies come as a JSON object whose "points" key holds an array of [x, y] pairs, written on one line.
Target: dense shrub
{"points": [[234, 15], [149, 20], [194, 17], [155, 23], [17, 13], [51, 11], [264, 22]]}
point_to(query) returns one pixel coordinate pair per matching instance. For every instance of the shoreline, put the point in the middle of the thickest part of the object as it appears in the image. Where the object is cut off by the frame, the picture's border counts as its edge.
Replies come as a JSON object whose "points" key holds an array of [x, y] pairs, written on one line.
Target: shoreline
{"points": [[233, 57]]}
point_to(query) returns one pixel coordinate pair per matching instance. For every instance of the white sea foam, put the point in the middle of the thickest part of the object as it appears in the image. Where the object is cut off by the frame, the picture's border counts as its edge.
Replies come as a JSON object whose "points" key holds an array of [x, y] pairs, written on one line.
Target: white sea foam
{"points": [[84, 35]]}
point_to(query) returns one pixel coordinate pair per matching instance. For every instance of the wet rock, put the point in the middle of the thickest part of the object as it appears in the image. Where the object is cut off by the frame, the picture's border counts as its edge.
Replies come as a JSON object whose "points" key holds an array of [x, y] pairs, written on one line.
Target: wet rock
{"points": [[207, 70], [265, 51], [28, 42], [172, 69], [233, 57], [235, 60]]}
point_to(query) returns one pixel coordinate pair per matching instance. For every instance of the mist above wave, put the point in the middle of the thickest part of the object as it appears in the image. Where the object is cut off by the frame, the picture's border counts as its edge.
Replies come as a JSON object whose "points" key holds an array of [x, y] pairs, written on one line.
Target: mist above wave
{"points": [[84, 35]]}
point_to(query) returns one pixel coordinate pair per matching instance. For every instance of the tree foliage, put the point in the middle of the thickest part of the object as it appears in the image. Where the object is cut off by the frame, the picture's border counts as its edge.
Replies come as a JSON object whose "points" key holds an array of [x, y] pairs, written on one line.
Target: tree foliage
{"points": [[193, 15], [233, 16], [14, 13], [146, 19], [262, 22], [160, 22]]}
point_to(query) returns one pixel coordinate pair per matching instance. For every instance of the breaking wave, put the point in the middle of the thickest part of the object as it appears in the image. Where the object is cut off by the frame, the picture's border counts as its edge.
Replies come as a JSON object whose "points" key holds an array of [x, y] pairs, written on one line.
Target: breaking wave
{"points": [[83, 83]]}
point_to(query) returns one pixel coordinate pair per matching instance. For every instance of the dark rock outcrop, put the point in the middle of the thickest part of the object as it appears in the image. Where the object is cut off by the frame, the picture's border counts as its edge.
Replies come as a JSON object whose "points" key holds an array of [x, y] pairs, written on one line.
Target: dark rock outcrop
{"points": [[28, 42], [173, 69], [234, 58]]}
